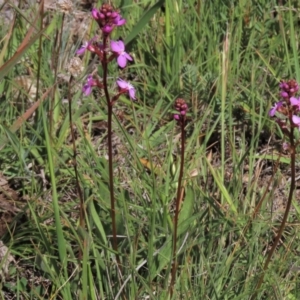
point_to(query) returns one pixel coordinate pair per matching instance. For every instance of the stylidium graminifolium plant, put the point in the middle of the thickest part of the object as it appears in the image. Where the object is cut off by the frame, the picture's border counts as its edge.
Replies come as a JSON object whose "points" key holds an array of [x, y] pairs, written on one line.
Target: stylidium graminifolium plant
{"points": [[181, 108], [286, 114], [107, 51]]}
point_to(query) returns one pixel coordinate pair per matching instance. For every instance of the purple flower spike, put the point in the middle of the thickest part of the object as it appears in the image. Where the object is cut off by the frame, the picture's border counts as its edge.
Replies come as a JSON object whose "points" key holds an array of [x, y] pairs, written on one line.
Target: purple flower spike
{"points": [[126, 86], [107, 18], [118, 47], [87, 88], [181, 107], [296, 121], [274, 109]]}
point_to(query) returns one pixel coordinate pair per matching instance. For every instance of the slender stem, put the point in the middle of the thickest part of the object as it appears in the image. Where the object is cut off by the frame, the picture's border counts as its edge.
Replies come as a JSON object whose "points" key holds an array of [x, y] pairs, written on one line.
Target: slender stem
{"points": [[178, 198], [111, 184], [79, 191], [110, 155], [39, 54], [82, 208], [53, 105], [287, 210]]}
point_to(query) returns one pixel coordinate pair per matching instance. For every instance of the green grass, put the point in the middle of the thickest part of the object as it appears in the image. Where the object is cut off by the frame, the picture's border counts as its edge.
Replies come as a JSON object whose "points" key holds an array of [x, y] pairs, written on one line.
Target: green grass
{"points": [[226, 59]]}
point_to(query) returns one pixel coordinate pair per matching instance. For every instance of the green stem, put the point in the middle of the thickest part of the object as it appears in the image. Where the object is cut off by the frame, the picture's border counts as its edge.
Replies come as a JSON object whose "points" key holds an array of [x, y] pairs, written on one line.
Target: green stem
{"points": [[79, 191]]}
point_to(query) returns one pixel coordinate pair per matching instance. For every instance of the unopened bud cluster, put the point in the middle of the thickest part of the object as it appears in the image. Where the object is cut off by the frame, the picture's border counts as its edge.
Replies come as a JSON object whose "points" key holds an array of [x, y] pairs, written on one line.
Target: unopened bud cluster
{"points": [[181, 107], [288, 89], [107, 18]]}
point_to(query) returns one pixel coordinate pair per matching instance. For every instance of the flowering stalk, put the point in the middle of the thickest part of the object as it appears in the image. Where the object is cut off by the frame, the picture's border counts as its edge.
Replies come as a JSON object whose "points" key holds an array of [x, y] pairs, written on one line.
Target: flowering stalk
{"points": [[180, 117], [108, 19], [286, 112]]}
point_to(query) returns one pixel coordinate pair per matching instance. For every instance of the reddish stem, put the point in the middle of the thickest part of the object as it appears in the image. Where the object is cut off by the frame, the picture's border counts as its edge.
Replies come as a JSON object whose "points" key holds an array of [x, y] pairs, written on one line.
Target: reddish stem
{"points": [[288, 207], [177, 208], [110, 154]]}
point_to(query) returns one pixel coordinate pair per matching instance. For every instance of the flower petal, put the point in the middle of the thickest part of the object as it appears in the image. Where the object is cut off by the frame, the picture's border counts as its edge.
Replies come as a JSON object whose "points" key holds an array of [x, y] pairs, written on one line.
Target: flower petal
{"points": [[295, 102], [275, 108], [85, 46], [122, 61], [121, 22], [132, 93], [117, 46], [286, 146], [87, 89], [118, 21], [125, 86], [82, 49], [127, 56], [95, 14], [122, 84], [107, 29], [296, 120], [284, 94]]}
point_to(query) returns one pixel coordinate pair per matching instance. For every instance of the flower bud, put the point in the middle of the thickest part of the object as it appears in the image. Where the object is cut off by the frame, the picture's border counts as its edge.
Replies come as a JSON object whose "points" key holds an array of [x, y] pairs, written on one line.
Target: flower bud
{"points": [[181, 107]]}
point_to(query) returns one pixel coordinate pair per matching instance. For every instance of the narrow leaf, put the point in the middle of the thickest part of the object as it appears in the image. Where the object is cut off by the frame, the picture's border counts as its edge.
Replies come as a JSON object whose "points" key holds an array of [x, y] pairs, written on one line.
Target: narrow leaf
{"points": [[143, 21], [22, 119], [222, 188], [26, 43]]}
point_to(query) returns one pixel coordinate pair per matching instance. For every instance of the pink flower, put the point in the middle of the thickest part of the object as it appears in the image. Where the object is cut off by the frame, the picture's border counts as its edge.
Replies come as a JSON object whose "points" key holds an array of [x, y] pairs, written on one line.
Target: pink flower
{"points": [[86, 46], [97, 15], [295, 102], [118, 21], [118, 48], [285, 146], [275, 108], [126, 86], [87, 88]]}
